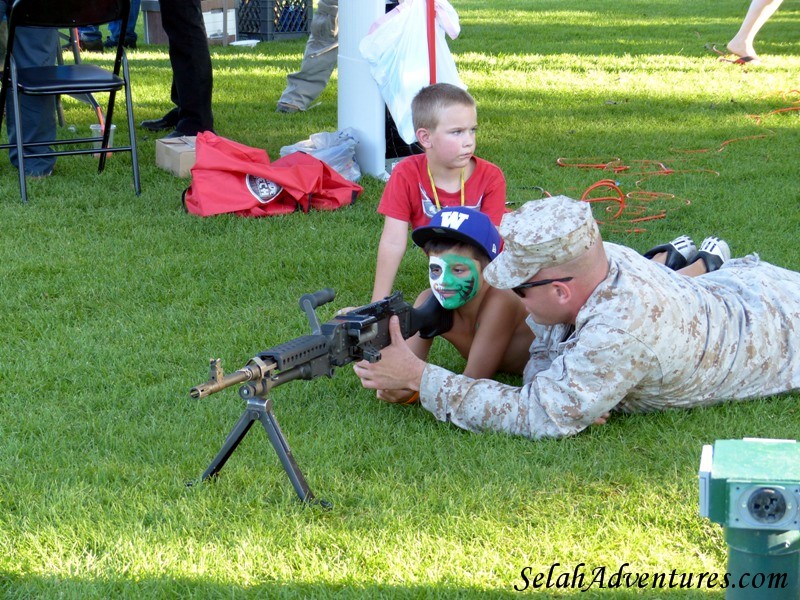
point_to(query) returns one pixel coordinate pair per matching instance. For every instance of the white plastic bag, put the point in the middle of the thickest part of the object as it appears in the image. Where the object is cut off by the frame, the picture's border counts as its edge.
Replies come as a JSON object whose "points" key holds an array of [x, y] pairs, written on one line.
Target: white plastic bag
{"points": [[337, 149], [396, 49]]}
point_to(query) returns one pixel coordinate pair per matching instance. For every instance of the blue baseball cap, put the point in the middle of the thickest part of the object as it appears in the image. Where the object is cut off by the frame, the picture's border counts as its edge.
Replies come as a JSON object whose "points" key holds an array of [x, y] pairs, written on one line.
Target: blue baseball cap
{"points": [[465, 225]]}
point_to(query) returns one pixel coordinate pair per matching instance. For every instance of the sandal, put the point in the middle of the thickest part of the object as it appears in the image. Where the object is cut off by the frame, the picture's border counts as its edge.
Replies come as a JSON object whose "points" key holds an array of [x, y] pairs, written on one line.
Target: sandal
{"points": [[732, 57], [680, 252], [714, 252]]}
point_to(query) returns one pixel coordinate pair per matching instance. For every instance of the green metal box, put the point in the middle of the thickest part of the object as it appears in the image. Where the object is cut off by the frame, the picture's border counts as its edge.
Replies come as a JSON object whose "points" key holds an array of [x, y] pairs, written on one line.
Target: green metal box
{"points": [[751, 484]]}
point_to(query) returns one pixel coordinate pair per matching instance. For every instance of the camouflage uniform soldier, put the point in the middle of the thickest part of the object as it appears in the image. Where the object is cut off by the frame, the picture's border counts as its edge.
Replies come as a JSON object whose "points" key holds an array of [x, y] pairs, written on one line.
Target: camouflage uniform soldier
{"points": [[319, 60], [614, 332]]}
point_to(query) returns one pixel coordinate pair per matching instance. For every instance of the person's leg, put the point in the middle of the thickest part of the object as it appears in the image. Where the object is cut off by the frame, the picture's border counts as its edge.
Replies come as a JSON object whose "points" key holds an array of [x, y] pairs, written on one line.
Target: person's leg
{"points": [[695, 269], [319, 60], [113, 33], [130, 33], [189, 55], [34, 47], [759, 13]]}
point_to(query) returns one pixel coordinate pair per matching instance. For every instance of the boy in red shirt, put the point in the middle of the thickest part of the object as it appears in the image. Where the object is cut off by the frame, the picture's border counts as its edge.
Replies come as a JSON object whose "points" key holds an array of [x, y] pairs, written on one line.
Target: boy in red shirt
{"points": [[447, 174]]}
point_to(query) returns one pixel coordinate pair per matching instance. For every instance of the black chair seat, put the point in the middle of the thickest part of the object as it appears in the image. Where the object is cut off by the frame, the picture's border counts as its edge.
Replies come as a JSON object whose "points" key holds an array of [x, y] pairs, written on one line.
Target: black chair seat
{"points": [[67, 79]]}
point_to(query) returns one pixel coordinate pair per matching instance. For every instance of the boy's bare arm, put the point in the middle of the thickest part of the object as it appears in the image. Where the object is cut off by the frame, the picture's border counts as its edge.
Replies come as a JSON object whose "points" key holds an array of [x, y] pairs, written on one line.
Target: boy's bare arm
{"points": [[391, 249], [497, 323]]}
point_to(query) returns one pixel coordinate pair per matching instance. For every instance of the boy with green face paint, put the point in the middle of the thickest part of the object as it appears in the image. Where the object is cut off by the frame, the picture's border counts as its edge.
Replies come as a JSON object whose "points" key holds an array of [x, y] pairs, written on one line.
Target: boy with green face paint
{"points": [[489, 328], [454, 279]]}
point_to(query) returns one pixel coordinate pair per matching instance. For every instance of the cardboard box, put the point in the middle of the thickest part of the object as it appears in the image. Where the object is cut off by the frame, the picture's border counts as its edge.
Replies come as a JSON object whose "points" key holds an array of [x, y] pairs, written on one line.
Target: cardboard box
{"points": [[176, 155], [218, 30]]}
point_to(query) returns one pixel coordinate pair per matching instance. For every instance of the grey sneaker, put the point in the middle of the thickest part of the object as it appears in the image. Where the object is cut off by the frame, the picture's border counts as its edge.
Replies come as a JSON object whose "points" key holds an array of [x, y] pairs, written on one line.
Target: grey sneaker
{"points": [[680, 252], [714, 252], [283, 107]]}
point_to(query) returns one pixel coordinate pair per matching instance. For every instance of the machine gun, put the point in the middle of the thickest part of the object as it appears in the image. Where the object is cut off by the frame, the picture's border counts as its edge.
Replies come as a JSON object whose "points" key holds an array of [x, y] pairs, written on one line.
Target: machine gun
{"points": [[357, 335]]}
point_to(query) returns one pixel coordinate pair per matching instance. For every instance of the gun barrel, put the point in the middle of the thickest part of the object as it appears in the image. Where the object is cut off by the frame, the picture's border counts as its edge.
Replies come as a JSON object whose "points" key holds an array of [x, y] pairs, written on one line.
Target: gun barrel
{"points": [[247, 373]]}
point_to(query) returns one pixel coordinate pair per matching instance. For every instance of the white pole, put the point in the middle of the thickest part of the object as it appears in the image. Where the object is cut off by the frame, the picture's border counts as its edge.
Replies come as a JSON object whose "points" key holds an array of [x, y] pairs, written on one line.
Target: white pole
{"points": [[361, 106]]}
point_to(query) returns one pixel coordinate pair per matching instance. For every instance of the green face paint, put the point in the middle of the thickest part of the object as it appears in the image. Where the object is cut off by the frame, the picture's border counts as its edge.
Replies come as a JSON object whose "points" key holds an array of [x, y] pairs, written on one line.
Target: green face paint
{"points": [[454, 279]]}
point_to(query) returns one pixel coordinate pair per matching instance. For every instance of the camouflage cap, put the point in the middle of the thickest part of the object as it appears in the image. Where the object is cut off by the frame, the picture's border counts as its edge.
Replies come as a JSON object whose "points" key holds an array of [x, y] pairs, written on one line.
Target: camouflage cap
{"points": [[541, 234]]}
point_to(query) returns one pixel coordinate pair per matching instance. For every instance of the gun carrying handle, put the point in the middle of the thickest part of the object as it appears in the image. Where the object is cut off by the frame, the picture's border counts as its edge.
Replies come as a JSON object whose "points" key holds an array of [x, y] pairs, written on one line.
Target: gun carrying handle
{"points": [[308, 302], [316, 299]]}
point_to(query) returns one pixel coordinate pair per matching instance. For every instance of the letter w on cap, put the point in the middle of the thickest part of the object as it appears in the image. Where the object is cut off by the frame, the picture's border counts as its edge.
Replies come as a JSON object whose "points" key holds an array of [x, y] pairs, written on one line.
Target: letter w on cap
{"points": [[453, 220]]}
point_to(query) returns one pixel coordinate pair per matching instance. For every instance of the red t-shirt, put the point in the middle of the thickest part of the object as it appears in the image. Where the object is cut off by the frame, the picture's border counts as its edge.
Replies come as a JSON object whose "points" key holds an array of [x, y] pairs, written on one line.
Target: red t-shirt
{"points": [[408, 195]]}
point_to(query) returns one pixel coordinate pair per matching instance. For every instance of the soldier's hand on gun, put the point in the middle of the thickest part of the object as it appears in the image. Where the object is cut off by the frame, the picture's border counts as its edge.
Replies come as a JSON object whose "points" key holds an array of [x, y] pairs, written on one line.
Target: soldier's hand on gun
{"points": [[399, 368]]}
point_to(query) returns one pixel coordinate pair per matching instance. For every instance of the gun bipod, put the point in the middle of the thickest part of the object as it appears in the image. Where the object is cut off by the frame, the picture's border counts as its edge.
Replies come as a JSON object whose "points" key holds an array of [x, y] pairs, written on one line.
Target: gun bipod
{"points": [[260, 409]]}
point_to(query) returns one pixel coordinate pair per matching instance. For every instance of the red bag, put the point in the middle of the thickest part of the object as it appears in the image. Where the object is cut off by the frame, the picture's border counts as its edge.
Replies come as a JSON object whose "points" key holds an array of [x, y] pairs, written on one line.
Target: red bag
{"points": [[334, 190], [229, 177]]}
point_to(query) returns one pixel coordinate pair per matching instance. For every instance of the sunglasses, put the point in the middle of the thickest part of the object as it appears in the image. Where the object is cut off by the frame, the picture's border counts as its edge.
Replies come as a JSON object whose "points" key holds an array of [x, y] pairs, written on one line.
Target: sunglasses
{"points": [[520, 289]]}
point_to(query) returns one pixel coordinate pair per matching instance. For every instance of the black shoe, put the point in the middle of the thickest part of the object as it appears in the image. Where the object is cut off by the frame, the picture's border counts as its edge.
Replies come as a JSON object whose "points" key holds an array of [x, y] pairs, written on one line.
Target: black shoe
{"points": [[680, 252], [168, 121], [177, 134], [91, 45], [714, 252], [128, 43]]}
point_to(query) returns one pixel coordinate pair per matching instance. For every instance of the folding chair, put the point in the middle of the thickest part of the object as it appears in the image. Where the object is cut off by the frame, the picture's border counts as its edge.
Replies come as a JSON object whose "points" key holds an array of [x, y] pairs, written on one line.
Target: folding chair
{"points": [[69, 79], [71, 43]]}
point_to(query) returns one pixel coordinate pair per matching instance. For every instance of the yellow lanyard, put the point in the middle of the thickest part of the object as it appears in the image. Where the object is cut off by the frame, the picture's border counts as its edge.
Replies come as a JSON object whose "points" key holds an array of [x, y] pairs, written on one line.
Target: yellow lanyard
{"points": [[433, 187]]}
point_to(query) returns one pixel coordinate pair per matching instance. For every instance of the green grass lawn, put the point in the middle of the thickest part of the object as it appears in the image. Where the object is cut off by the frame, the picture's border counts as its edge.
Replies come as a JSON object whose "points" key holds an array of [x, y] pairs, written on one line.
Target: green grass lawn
{"points": [[112, 305]]}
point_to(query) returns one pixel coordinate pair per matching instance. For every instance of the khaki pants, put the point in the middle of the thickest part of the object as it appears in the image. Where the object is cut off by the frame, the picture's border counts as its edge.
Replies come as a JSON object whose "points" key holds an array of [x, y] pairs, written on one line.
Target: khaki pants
{"points": [[319, 59]]}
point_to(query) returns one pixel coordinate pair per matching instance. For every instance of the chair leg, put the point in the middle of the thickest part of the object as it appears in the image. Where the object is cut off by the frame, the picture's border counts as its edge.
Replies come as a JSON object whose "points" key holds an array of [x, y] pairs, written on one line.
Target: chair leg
{"points": [[112, 97], [59, 106], [74, 42], [60, 112], [137, 186], [4, 83], [23, 190]]}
